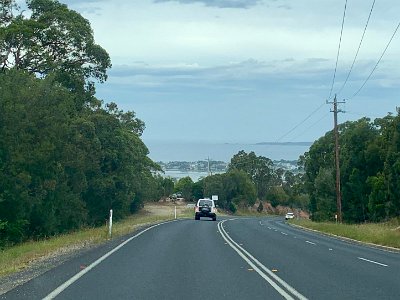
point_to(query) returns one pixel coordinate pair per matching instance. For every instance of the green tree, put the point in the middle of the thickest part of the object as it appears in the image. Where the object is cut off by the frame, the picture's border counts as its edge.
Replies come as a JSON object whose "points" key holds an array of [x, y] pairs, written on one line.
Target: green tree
{"points": [[258, 168], [234, 189], [53, 38], [185, 186]]}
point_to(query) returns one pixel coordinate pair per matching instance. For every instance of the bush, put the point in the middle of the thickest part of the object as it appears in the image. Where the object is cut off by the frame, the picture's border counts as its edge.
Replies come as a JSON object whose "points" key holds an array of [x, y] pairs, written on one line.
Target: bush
{"points": [[232, 207], [260, 207]]}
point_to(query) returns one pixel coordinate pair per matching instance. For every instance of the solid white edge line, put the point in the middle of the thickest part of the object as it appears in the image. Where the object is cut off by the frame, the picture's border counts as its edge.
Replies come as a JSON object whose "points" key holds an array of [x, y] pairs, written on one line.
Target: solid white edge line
{"points": [[371, 261], [277, 278], [74, 278]]}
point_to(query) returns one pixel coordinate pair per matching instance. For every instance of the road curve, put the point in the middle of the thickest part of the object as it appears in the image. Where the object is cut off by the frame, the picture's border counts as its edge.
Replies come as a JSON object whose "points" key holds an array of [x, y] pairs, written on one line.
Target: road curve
{"points": [[243, 258], [318, 266]]}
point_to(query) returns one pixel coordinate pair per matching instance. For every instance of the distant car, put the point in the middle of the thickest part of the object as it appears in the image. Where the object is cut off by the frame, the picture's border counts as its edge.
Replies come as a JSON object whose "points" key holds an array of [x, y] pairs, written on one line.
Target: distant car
{"points": [[205, 208], [289, 215]]}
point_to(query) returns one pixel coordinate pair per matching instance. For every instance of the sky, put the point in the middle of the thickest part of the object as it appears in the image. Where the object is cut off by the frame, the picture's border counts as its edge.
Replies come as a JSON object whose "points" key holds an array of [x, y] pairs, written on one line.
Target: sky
{"points": [[245, 71]]}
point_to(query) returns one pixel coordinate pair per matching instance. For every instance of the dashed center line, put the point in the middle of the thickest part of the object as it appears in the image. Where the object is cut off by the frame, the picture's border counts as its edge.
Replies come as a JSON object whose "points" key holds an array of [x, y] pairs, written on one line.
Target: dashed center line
{"points": [[373, 262], [284, 233], [310, 243]]}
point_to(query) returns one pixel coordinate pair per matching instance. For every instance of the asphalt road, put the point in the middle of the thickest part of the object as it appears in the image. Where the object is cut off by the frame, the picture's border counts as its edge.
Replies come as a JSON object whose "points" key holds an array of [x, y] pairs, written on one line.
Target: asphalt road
{"points": [[245, 258]]}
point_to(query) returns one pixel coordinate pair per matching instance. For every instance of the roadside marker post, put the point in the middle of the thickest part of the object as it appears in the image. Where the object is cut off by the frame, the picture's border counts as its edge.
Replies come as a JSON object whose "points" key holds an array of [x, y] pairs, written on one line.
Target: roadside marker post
{"points": [[110, 224], [175, 212]]}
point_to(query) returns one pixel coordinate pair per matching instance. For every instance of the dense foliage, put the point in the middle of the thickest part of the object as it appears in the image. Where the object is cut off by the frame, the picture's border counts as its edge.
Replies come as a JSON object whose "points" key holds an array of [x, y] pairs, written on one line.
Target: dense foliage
{"points": [[370, 171], [65, 158], [278, 186], [249, 177]]}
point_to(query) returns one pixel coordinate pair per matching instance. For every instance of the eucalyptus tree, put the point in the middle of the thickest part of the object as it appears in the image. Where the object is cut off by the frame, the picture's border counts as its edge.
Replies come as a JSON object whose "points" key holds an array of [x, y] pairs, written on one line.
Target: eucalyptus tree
{"points": [[259, 169], [47, 38]]}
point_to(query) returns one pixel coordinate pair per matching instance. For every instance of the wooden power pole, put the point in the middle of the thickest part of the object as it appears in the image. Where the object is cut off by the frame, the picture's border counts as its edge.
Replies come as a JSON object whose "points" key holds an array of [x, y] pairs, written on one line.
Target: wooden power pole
{"points": [[337, 162]]}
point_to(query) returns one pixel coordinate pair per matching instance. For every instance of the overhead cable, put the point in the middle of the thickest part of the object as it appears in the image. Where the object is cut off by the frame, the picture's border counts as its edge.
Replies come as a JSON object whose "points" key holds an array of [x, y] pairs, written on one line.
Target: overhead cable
{"points": [[313, 124], [373, 70], [338, 52], [359, 46], [295, 127]]}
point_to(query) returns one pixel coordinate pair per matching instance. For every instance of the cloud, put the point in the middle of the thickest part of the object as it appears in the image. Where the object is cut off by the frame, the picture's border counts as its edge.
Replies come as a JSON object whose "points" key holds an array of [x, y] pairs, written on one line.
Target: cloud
{"points": [[86, 6], [75, 2], [247, 76], [219, 3]]}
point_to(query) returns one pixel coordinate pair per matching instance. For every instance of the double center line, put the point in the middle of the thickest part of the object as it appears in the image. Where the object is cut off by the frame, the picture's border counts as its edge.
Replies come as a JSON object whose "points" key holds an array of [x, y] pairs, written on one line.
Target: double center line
{"points": [[276, 282]]}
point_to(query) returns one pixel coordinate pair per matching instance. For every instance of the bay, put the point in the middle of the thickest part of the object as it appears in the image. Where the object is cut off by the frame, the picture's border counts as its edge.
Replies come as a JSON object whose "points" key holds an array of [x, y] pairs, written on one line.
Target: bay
{"points": [[195, 176], [197, 151]]}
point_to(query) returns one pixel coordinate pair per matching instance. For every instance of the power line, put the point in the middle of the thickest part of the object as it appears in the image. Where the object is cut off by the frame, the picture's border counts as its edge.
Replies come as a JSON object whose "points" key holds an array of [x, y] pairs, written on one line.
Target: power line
{"points": [[338, 52], [373, 70], [295, 127], [359, 46], [313, 124]]}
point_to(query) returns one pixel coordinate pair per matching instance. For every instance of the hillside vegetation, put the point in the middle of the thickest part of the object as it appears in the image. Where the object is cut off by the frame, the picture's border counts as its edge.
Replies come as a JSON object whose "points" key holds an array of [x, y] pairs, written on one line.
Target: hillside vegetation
{"points": [[67, 157]]}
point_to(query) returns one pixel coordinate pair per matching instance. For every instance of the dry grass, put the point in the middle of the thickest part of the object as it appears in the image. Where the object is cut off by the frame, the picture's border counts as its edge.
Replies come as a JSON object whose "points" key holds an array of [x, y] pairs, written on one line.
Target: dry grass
{"points": [[385, 234]]}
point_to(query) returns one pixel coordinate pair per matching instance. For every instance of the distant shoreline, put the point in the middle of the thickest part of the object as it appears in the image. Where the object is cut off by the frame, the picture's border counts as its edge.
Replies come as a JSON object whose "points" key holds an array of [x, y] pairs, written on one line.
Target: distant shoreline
{"points": [[286, 143], [195, 151]]}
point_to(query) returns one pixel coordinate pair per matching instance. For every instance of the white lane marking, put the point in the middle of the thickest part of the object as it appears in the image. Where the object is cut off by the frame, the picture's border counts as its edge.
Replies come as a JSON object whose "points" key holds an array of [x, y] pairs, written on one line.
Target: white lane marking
{"points": [[261, 223], [284, 233], [310, 243], [330, 249], [269, 228], [242, 253], [374, 262], [70, 281]]}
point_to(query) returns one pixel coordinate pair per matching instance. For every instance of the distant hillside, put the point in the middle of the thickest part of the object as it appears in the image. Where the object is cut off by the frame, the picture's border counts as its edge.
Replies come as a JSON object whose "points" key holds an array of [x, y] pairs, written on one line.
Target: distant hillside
{"points": [[286, 144]]}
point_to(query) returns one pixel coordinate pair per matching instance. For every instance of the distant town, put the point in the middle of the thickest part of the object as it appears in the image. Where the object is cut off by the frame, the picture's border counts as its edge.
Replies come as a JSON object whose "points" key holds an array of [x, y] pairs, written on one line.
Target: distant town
{"points": [[219, 166]]}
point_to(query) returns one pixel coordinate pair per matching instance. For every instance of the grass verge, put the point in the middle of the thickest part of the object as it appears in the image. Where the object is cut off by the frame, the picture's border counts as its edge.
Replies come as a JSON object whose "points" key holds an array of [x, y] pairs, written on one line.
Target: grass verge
{"points": [[19, 257], [384, 234]]}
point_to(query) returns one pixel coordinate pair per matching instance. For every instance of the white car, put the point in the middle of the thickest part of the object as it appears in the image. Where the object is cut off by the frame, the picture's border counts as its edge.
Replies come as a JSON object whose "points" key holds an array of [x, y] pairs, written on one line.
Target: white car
{"points": [[289, 215], [205, 208]]}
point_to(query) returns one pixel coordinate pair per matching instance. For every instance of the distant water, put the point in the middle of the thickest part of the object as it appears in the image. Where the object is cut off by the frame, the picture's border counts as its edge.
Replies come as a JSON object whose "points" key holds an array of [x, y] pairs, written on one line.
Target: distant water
{"points": [[192, 174], [180, 151]]}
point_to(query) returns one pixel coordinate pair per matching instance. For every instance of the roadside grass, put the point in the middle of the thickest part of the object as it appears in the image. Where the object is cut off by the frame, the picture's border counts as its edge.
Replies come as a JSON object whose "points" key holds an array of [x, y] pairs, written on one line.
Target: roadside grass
{"points": [[248, 213], [19, 257], [244, 212], [186, 213], [384, 234]]}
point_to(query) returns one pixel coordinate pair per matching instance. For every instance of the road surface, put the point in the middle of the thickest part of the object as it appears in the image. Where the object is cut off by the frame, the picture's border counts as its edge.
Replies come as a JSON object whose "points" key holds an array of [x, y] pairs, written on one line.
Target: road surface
{"points": [[244, 258]]}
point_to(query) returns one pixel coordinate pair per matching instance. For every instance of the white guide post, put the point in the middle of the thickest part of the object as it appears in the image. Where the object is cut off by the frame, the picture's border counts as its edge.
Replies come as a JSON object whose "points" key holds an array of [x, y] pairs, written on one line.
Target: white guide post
{"points": [[110, 224]]}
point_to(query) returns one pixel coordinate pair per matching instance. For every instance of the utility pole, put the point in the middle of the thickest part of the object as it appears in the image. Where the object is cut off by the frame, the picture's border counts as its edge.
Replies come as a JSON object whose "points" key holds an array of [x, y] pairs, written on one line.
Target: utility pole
{"points": [[337, 162]]}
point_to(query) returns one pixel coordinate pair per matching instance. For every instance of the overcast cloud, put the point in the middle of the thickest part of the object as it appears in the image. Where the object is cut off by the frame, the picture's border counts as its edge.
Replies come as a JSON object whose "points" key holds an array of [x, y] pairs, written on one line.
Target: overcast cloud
{"points": [[219, 3], [244, 71]]}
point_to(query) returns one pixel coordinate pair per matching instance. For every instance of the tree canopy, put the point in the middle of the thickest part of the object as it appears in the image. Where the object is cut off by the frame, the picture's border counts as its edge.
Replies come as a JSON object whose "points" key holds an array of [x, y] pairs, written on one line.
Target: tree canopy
{"points": [[53, 38], [65, 157], [369, 158]]}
